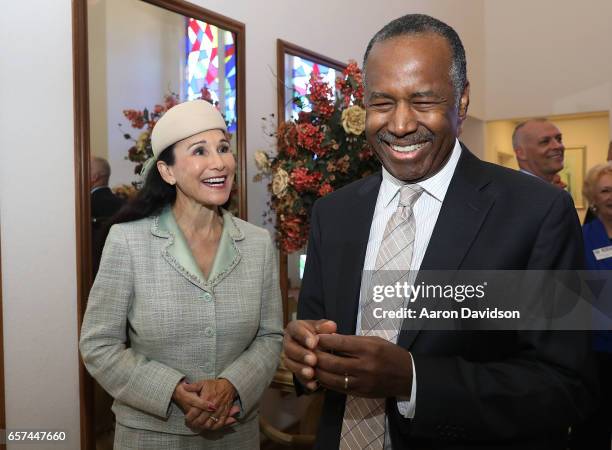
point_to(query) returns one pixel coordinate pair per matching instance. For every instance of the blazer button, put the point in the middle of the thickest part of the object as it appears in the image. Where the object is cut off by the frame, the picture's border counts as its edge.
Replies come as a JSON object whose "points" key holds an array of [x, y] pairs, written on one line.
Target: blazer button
{"points": [[206, 296], [209, 332]]}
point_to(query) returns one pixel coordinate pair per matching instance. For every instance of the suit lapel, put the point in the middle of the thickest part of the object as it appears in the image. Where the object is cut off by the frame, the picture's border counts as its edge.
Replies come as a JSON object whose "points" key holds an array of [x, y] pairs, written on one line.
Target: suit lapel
{"points": [[463, 211], [357, 223]]}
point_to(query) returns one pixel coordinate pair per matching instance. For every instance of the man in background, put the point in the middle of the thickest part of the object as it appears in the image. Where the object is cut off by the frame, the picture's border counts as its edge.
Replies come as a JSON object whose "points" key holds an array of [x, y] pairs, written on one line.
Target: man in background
{"points": [[539, 149], [104, 204]]}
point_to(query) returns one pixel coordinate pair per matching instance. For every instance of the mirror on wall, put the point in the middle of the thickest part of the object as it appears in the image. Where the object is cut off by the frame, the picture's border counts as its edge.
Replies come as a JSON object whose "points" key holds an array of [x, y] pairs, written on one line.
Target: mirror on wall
{"points": [[295, 65], [134, 59], [143, 59]]}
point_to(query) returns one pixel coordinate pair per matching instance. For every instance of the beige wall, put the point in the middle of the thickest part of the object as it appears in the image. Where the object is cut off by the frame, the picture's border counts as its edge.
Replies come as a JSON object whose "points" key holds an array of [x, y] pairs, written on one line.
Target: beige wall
{"points": [[547, 57], [473, 135]]}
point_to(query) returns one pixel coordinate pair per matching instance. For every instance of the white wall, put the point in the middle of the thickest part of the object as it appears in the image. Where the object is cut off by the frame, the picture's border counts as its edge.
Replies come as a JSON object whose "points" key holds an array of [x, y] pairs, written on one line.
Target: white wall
{"points": [[38, 219], [547, 57]]}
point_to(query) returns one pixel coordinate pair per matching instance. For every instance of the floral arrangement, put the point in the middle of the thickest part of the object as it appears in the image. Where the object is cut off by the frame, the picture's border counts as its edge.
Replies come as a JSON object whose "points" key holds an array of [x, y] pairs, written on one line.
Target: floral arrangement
{"points": [[145, 120], [125, 191], [317, 153]]}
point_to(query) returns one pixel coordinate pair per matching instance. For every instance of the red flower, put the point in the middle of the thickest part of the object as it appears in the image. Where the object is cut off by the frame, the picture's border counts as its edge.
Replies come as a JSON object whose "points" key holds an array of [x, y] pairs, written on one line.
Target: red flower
{"points": [[310, 137], [320, 96], [286, 136], [135, 117], [206, 95], [303, 180], [325, 189], [351, 85], [293, 233], [291, 151]]}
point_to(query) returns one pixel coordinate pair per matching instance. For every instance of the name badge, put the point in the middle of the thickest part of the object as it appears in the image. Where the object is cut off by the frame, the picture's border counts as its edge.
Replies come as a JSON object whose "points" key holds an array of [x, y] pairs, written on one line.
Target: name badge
{"points": [[603, 253]]}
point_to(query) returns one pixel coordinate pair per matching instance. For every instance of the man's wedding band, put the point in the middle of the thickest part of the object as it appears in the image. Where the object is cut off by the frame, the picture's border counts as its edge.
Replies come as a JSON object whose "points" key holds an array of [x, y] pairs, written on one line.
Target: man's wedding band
{"points": [[214, 419], [346, 382]]}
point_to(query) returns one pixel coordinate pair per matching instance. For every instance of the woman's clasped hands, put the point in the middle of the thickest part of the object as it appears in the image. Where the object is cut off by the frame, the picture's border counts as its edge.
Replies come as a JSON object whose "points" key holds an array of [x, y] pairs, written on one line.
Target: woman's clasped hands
{"points": [[208, 404]]}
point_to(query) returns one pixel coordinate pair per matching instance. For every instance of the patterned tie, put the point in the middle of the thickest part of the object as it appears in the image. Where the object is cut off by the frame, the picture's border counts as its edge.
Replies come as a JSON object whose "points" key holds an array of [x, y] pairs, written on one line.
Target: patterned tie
{"points": [[363, 426]]}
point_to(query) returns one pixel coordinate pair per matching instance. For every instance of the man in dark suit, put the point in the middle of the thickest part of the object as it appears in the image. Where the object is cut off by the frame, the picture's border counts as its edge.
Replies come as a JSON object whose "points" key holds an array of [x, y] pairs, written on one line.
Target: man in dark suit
{"points": [[104, 204], [433, 389]]}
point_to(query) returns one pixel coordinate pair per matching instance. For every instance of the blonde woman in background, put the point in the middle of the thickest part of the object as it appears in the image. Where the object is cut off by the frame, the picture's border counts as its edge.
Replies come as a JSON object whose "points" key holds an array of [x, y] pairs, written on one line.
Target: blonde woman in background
{"points": [[595, 433]]}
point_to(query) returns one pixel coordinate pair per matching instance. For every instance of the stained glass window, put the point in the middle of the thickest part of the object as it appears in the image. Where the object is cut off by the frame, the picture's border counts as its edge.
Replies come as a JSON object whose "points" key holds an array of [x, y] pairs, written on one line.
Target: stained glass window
{"points": [[204, 70], [299, 70]]}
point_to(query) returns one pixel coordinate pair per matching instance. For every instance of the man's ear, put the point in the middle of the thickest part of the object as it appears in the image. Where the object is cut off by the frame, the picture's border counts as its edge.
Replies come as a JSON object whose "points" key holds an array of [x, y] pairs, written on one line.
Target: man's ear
{"points": [[464, 102], [166, 172], [520, 153]]}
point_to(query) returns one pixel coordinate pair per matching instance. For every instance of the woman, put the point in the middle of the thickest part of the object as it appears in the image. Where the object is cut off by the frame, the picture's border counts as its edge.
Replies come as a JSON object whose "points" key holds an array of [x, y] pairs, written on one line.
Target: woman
{"points": [[598, 232], [595, 433], [183, 325]]}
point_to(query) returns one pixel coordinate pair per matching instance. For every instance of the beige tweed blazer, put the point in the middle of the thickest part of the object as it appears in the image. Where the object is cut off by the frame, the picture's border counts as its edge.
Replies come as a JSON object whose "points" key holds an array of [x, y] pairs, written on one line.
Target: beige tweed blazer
{"points": [[153, 319]]}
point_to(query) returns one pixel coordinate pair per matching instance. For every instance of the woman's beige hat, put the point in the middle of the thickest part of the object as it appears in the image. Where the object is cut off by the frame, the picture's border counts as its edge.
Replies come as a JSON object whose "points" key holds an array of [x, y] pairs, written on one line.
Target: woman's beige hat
{"points": [[183, 121]]}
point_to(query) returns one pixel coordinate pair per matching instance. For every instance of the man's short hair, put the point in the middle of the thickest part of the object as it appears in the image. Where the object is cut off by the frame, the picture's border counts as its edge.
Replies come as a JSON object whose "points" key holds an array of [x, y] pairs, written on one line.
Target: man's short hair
{"points": [[415, 24], [516, 134], [100, 167]]}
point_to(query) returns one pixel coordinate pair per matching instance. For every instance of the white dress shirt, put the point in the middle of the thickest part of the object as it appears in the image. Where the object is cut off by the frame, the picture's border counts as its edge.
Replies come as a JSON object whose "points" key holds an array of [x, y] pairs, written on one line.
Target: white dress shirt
{"points": [[425, 210]]}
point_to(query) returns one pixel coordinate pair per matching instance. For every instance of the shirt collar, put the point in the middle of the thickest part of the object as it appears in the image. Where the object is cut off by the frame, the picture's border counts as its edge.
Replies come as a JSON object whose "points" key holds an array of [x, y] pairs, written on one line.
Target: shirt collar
{"points": [[436, 186], [97, 188], [527, 172]]}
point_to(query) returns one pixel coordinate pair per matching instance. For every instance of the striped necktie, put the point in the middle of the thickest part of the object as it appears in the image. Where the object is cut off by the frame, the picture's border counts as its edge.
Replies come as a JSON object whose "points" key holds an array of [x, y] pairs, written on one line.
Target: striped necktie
{"points": [[363, 426]]}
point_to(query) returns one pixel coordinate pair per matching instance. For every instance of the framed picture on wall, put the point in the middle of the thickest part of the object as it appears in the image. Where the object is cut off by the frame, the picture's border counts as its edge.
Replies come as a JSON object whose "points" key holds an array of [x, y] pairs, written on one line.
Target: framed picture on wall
{"points": [[573, 173]]}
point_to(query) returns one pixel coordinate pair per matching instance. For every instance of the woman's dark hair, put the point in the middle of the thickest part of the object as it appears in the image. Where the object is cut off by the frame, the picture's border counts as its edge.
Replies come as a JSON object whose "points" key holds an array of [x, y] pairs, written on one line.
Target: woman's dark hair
{"points": [[152, 198]]}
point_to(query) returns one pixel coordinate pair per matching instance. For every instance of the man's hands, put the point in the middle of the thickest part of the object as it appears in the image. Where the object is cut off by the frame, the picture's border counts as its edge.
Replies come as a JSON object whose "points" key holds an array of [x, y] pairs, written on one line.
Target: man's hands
{"points": [[374, 367], [299, 344], [207, 404]]}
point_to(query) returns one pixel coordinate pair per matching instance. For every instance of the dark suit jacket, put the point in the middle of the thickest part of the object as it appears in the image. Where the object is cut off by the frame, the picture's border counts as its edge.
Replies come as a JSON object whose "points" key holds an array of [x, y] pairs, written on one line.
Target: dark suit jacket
{"points": [[475, 389], [104, 205]]}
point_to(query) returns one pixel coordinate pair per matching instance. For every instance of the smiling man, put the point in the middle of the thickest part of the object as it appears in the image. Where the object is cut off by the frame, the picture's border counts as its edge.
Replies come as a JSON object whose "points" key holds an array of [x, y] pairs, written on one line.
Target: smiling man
{"points": [[539, 149], [434, 206]]}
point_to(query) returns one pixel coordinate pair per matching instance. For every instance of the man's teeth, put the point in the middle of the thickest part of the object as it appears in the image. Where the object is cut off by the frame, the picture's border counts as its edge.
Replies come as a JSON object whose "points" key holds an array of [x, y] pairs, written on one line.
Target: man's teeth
{"points": [[409, 148]]}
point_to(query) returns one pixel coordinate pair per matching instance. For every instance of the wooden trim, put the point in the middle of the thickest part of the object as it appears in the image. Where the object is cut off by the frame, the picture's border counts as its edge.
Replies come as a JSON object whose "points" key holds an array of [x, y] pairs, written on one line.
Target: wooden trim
{"points": [[296, 50], [283, 48], [82, 207], [238, 28], [286, 48], [82, 156], [197, 12]]}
